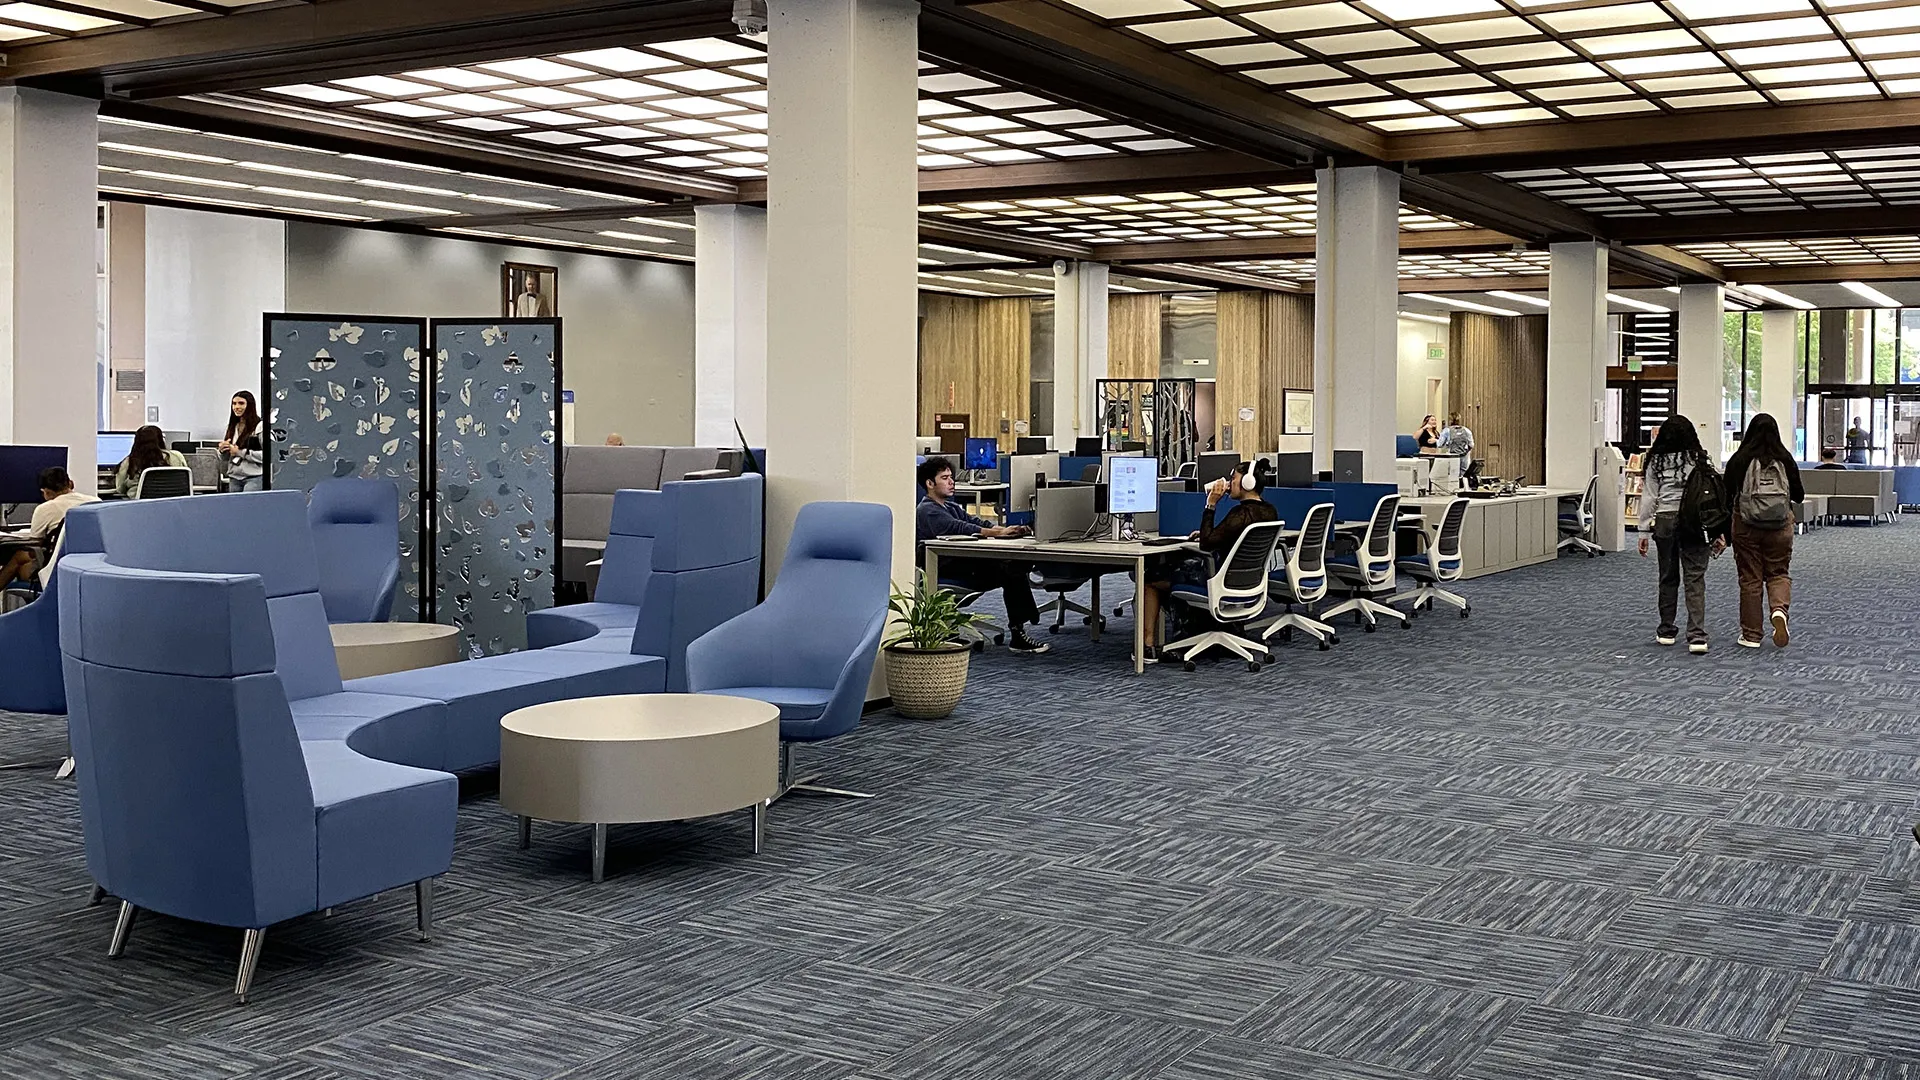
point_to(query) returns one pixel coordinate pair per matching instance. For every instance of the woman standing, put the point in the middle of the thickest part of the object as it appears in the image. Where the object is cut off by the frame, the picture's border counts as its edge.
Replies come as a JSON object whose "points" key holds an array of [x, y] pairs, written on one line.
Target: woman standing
{"points": [[1684, 551], [1429, 436], [1763, 481], [149, 451], [245, 469]]}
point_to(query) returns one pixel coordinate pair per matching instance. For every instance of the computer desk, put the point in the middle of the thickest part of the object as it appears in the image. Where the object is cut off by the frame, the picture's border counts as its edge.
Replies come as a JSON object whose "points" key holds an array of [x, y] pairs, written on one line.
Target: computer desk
{"points": [[1122, 553], [980, 494]]}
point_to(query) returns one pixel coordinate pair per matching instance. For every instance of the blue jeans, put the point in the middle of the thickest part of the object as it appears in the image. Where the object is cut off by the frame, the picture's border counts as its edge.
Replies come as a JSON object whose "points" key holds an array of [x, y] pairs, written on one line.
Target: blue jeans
{"points": [[246, 483]]}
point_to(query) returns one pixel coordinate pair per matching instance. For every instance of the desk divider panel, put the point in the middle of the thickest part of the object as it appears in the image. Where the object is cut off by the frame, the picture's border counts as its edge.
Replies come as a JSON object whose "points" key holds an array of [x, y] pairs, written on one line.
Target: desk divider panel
{"points": [[497, 476], [341, 397]]}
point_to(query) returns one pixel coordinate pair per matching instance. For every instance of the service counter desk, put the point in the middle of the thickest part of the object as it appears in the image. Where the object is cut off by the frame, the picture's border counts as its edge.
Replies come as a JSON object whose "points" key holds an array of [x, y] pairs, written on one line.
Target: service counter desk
{"points": [[1502, 532]]}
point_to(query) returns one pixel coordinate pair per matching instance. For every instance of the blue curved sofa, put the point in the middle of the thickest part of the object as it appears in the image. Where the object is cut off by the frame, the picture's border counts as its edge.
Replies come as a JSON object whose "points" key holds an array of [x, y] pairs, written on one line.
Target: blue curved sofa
{"points": [[679, 561], [444, 718]]}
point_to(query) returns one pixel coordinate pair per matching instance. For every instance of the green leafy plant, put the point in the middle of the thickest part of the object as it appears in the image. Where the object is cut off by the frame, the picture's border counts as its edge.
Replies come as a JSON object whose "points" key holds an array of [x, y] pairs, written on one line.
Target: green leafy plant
{"points": [[928, 618]]}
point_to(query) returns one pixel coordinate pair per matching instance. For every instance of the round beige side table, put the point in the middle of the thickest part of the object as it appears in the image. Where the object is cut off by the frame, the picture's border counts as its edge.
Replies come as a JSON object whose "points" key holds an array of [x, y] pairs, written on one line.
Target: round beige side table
{"points": [[639, 757], [381, 648]]}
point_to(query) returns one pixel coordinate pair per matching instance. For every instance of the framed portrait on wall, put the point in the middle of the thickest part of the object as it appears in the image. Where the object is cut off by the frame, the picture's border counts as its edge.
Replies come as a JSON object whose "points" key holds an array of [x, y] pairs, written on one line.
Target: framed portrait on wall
{"points": [[528, 291], [1296, 412]]}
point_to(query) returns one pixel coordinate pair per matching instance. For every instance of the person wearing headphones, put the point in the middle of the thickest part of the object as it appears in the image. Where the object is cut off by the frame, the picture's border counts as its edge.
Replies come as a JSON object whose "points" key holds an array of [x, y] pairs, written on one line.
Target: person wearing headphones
{"points": [[1215, 537]]}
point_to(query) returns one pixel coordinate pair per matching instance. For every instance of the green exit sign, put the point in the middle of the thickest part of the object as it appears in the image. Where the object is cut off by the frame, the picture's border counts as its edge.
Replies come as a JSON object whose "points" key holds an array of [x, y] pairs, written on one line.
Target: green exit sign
{"points": [[1436, 351]]}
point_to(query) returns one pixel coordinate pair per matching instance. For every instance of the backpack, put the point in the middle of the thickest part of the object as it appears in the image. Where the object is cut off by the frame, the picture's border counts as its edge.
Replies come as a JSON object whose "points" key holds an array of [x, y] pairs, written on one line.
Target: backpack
{"points": [[1765, 496], [1703, 506]]}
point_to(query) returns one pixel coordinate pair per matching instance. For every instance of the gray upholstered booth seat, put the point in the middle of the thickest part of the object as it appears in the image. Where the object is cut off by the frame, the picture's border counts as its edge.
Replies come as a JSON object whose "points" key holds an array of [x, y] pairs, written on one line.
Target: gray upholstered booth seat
{"points": [[1862, 493], [591, 474]]}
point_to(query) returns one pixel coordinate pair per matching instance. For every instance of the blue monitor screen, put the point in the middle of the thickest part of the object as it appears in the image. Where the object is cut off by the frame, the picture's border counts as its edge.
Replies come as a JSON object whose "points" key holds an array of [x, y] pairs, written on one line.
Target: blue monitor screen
{"points": [[983, 454], [1133, 485], [20, 470], [112, 447]]}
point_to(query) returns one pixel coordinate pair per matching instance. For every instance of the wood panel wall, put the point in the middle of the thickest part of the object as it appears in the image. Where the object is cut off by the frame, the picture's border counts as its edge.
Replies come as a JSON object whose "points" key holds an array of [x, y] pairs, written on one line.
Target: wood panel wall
{"points": [[1133, 336], [1497, 381], [975, 358], [1265, 347]]}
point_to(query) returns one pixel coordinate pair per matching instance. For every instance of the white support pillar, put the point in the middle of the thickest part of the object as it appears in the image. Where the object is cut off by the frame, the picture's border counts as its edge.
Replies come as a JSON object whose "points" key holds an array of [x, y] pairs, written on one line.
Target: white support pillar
{"points": [[1356, 299], [49, 172], [1578, 350], [1778, 350], [842, 238], [1702, 356], [730, 324], [1079, 347]]}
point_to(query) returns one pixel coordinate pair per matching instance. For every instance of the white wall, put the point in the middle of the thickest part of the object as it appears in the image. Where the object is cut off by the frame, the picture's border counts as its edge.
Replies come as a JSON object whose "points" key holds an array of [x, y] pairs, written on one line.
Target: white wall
{"points": [[1415, 370], [628, 323], [209, 279]]}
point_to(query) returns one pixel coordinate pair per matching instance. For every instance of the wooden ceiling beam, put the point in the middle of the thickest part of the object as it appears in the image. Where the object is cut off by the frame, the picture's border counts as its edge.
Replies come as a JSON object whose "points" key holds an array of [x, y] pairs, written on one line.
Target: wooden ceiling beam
{"points": [[1824, 275], [1000, 242], [1767, 225], [1294, 247], [1214, 278], [1184, 171]]}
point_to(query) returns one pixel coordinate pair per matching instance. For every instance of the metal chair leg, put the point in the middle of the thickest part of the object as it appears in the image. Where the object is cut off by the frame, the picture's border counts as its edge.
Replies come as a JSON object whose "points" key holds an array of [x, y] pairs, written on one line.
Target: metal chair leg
{"points": [[249, 960], [423, 907], [121, 928]]}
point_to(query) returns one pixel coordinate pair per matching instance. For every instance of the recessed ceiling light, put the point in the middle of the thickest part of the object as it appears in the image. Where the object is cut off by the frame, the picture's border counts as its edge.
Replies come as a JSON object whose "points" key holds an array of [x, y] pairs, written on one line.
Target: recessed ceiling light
{"points": [[1869, 292], [1466, 305], [642, 237], [1517, 298], [1441, 319], [1776, 296], [1625, 301]]}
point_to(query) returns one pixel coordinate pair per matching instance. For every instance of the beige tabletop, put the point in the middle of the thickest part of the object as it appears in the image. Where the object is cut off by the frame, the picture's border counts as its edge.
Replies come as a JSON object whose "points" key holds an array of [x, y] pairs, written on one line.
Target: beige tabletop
{"points": [[638, 757], [381, 648]]}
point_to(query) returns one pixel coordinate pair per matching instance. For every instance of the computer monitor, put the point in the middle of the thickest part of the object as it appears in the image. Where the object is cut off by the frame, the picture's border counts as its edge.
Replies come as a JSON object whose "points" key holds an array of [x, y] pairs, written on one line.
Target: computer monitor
{"points": [[20, 470], [1026, 474], [983, 453], [1293, 470], [1063, 511], [1133, 485], [926, 444], [1347, 466], [1086, 446], [172, 435], [1134, 446], [1106, 461], [1030, 444], [112, 447], [1217, 465]]}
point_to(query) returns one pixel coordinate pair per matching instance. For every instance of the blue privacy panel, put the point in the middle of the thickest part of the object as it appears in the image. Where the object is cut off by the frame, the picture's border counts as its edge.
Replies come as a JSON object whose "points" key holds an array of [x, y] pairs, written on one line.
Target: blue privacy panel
{"points": [[497, 489], [343, 398]]}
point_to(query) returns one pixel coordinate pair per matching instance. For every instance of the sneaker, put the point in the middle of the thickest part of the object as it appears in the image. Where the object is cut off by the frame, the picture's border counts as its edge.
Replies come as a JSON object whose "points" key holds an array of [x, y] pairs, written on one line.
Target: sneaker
{"points": [[1696, 647], [1021, 643], [1749, 643], [1665, 638], [1780, 627]]}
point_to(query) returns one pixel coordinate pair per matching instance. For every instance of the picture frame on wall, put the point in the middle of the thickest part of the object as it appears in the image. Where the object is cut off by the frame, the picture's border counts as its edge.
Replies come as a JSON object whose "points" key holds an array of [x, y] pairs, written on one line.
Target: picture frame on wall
{"points": [[1296, 412], [529, 291]]}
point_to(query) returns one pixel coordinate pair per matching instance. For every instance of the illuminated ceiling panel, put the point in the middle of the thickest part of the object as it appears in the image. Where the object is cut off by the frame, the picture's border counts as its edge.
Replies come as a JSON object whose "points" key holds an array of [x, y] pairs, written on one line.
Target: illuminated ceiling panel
{"points": [[1435, 65], [1294, 273], [29, 24], [1838, 179], [1838, 251], [1241, 213], [701, 106]]}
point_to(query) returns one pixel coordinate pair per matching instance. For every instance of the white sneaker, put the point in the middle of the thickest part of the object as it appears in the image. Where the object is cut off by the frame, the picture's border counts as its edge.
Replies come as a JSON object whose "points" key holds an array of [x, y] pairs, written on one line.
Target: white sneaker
{"points": [[1665, 639], [1746, 643], [1779, 628], [1696, 647]]}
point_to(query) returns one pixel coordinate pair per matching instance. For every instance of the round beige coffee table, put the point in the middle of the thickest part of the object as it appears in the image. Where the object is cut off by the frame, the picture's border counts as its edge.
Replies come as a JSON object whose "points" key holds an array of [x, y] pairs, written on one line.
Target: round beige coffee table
{"points": [[381, 648], [639, 757]]}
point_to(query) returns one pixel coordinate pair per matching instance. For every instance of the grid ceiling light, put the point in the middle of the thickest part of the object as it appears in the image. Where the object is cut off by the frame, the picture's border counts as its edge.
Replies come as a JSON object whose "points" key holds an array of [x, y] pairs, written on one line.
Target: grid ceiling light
{"points": [[1809, 180], [1517, 298], [28, 24], [1871, 294], [1834, 251], [1241, 213], [1299, 272], [701, 106], [1775, 295], [1436, 65], [1423, 317], [1464, 305], [1638, 305]]}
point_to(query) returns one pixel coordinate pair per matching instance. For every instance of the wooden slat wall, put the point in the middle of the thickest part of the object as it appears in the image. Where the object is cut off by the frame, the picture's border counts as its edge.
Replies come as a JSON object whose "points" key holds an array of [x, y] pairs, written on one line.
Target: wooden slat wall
{"points": [[1240, 372], [1289, 354], [975, 359], [1497, 380], [949, 353], [1133, 336]]}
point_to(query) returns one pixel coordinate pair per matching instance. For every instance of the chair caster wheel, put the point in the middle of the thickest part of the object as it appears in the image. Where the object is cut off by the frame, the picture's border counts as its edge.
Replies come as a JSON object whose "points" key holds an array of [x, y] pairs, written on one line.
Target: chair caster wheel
{"points": [[1190, 666], [1119, 611], [980, 646], [1370, 628], [1334, 640], [999, 639], [1053, 629], [1464, 612], [1324, 646], [1253, 666], [1406, 624]]}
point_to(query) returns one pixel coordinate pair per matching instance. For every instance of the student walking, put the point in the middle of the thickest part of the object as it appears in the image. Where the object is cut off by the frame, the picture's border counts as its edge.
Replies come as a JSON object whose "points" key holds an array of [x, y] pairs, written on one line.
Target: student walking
{"points": [[1764, 483], [1683, 541]]}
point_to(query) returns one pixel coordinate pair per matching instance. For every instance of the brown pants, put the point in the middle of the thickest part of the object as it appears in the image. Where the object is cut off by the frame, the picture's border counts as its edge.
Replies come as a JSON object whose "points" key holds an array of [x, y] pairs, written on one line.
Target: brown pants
{"points": [[1762, 557]]}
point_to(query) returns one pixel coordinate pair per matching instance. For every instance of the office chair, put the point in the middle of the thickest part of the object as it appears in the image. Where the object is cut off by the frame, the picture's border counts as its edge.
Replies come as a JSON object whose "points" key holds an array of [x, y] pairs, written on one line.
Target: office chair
{"points": [[1575, 527], [976, 634], [1236, 595], [1438, 564], [1303, 580], [1367, 570], [1189, 470], [164, 482], [1061, 579]]}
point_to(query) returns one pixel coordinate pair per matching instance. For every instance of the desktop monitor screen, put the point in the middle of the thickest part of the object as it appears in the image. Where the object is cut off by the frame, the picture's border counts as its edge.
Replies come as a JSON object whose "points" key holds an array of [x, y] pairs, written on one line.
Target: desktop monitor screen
{"points": [[1133, 485], [1348, 466], [1293, 470], [20, 470], [1216, 465], [983, 454], [1086, 446], [112, 447], [1030, 444]]}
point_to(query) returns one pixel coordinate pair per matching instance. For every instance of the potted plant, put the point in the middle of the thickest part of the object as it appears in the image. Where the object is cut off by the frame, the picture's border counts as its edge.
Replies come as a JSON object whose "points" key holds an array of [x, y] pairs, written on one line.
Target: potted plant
{"points": [[928, 650]]}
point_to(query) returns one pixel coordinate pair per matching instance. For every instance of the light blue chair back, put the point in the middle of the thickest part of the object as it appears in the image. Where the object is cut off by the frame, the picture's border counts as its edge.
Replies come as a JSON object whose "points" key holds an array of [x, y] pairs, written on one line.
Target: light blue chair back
{"points": [[356, 537]]}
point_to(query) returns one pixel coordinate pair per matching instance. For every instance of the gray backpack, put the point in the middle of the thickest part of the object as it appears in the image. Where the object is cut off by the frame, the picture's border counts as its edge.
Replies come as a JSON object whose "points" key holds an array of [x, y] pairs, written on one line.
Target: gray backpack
{"points": [[1765, 501]]}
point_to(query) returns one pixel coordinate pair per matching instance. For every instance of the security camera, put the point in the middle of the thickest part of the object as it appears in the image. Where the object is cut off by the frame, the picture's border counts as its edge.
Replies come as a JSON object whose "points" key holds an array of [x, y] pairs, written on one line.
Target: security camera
{"points": [[1062, 267], [750, 16]]}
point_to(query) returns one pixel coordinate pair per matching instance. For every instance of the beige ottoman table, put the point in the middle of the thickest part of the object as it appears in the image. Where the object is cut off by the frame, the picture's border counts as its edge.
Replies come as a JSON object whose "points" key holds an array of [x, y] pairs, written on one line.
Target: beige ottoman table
{"points": [[639, 757], [364, 649]]}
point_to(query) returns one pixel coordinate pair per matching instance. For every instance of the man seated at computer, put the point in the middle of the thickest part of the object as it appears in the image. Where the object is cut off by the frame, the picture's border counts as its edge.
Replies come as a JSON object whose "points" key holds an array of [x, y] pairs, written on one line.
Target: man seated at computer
{"points": [[56, 498], [1193, 569], [938, 515]]}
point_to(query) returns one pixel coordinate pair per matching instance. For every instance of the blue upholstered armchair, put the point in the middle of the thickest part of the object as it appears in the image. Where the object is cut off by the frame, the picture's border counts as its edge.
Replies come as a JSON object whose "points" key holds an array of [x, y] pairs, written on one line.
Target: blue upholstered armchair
{"points": [[809, 647], [356, 532], [30, 640]]}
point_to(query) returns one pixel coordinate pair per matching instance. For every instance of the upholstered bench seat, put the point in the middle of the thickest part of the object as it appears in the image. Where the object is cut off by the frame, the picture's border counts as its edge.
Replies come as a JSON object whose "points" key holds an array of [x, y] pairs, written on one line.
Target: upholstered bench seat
{"points": [[577, 622], [405, 730]]}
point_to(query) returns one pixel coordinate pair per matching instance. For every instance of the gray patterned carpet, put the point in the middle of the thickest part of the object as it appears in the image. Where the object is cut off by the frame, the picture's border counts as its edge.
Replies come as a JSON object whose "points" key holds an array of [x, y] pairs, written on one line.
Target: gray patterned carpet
{"points": [[1529, 845]]}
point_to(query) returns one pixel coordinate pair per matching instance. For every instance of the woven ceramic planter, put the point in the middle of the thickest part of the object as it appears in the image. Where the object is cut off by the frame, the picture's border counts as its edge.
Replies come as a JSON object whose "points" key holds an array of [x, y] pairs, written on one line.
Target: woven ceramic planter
{"points": [[927, 683]]}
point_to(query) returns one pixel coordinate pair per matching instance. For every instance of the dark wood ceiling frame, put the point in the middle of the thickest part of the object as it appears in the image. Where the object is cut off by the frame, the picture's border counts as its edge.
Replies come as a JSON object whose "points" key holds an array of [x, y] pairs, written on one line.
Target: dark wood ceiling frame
{"points": [[1824, 275], [1293, 247], [1188, 171], [342, 38], [1769, 225], [1213, 277], [1001, 242]]}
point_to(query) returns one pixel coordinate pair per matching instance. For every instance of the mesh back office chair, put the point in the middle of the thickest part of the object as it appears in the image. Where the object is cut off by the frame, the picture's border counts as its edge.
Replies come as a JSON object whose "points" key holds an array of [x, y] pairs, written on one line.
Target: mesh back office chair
{"points": [[1439, 563], [1367, 571], [1303, 580], [1236, 595], [1577, 525], [1189, 470], [164, 482]]}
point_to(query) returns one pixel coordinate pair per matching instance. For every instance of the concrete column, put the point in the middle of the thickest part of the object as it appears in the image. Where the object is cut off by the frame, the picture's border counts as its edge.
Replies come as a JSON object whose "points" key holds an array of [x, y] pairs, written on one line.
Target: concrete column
{"points": [[842, 236], [127, 315], [1356, 297], [1579, 348], [1079, 347], [1702, 356], [730, 324], [1779, 350], [49, 173]]}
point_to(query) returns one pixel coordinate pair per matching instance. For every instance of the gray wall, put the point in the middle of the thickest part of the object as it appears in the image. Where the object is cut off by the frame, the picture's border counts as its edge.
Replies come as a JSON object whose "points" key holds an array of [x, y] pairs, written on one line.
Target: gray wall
{"points": [[628, 323]]}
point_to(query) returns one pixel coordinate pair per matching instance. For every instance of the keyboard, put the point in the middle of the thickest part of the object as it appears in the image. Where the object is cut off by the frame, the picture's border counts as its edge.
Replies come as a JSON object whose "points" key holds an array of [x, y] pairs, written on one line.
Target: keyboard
{"points": [[1164, 541]]}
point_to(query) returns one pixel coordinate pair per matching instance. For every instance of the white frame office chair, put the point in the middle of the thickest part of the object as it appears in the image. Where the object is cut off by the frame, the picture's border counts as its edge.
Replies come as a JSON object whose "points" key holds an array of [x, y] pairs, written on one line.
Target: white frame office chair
{"points": [[1236, 595], [1189, 470], [1303, 581], [175, 481], [1439, 564], [1575, 530], [1372, 572]]}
